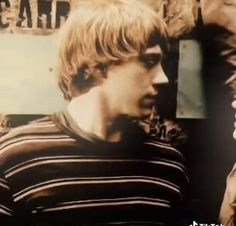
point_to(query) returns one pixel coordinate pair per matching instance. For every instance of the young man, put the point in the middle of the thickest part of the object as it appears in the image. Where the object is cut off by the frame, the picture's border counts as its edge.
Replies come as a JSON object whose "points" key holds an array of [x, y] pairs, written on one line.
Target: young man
{"points": [[91, 164]]}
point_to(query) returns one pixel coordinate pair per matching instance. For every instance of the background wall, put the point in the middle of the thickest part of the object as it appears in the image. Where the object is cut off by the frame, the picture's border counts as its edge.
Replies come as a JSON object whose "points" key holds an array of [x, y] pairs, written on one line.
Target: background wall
{"points": [[28, 86]]}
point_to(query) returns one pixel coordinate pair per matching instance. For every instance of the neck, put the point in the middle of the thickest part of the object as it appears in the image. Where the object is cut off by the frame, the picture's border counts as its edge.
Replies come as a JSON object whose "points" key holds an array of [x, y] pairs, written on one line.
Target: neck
{"points": [[91, 113]]}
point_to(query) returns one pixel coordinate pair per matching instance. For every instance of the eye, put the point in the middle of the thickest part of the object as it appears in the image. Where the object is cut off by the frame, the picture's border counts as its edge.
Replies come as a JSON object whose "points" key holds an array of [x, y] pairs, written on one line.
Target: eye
{"points": [[150, 60]]}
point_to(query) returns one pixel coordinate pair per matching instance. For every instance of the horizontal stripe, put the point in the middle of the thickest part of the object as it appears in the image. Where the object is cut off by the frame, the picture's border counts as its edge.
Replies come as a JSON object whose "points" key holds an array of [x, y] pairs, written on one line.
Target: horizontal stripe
{"points": [[5, 210], [161, 145], [42, 159], [107, 202], [3, 185], [175, 187], [29, 129], [54, 161], [42, 125], [75, 157], [35, 139], [75, 181], [32, 137]]}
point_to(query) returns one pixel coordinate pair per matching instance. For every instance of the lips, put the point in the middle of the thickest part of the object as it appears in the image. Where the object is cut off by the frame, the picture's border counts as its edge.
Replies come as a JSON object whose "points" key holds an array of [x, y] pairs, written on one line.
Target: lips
{"points": [[148, 101]]}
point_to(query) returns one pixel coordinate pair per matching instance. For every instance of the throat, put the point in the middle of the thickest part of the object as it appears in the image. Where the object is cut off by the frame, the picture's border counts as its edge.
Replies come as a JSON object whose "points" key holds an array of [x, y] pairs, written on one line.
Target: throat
{"points": [[91, 114]]}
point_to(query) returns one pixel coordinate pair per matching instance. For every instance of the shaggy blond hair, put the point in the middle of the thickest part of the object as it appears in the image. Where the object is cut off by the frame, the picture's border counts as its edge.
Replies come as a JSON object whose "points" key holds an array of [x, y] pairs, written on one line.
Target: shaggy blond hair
{"points": [[4, 121], [98, 32]]}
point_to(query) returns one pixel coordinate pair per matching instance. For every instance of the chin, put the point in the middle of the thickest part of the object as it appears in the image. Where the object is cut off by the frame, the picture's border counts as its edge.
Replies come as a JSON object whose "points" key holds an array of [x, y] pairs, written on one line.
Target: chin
{"points": [[146, 114], [142, 114]]}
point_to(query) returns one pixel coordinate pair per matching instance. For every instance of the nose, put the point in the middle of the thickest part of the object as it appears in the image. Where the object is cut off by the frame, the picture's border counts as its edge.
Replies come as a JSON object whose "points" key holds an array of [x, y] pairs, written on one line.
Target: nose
{"points": [[160, 76]]}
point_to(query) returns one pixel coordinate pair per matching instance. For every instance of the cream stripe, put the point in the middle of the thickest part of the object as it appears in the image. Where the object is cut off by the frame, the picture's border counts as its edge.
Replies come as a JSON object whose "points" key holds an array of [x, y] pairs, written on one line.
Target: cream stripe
{"points": [[5, 210], [69, 157], [23, 129], [26, 137], [174, 166], [35, 122], [23, 141], [82, 204], [157, 144], [41, 124], [57, 183], [4, 186], [90, 160], [138, 198], [170, 161], [105, 179], [42, 158]]}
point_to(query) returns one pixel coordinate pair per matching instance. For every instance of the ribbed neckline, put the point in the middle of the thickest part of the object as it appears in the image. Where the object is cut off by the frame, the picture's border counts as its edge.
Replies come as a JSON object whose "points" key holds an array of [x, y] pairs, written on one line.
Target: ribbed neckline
{"points": [[66, 123]]}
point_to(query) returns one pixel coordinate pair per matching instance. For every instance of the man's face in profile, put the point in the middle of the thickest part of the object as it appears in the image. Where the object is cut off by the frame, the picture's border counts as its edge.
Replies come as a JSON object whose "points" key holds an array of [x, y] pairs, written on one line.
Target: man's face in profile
{"points": [[131, 86]]}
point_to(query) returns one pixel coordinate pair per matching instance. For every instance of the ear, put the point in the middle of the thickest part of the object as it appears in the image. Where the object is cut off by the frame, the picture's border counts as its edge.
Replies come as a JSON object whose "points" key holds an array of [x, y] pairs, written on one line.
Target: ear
{"points": [[100, 71], [87, 78]]}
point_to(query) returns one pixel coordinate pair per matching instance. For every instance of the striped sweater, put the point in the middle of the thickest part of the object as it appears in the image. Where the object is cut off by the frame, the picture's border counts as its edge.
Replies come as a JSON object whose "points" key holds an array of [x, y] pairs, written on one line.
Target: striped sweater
{"points": [[53, 175]]}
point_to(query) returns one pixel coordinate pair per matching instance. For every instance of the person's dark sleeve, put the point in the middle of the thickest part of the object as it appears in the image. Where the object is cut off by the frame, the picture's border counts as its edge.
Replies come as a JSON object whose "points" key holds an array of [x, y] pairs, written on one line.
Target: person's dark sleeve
{"points": [[6, 203], [184, 213]]}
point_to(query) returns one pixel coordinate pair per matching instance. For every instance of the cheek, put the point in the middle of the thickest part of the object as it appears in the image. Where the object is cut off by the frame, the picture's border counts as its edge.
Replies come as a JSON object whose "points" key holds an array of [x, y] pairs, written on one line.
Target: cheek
{"points": [[131, 85], [124, 91], [142, 81], [130, 95]]}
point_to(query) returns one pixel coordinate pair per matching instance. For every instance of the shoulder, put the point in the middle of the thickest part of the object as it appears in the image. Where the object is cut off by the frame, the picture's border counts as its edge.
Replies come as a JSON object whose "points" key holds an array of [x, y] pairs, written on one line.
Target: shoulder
{"points": [[172, 162], [33, 129], [164, 149], [35, 136]]}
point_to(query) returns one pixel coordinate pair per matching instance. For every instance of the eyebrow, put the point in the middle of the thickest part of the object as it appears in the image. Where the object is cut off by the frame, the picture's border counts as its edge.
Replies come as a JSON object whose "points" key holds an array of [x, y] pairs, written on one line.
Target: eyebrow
{"points": [[150, 59], [142, 56]]}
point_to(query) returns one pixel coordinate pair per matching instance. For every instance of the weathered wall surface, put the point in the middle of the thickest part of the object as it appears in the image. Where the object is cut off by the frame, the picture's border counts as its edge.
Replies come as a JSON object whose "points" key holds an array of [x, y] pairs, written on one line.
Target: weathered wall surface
{"points": [[36, 19], [46, 16], [181, 15], [221, 12]]}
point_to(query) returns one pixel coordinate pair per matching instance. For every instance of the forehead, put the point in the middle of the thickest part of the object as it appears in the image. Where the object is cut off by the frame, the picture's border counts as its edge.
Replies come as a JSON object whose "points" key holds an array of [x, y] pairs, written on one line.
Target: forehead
{"points": [[154, 49]]}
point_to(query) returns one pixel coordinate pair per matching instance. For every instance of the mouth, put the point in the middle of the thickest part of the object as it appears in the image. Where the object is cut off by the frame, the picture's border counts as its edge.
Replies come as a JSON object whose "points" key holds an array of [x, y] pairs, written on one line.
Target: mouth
{"points": [[148, 101]]}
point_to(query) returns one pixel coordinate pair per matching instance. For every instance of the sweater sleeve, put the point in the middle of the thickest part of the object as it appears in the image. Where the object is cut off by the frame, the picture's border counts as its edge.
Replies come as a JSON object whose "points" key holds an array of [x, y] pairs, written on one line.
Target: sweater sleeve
{"points": [[6, 203]]}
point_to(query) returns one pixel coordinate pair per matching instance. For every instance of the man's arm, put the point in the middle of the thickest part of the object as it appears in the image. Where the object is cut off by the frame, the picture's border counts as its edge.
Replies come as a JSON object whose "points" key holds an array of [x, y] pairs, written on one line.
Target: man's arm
{"points": [[227, 211]]}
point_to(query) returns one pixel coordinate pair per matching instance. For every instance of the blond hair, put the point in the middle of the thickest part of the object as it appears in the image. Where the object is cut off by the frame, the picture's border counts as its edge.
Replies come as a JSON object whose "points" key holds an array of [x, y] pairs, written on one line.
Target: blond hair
{"points": [[101, 31], [4, 121]]}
